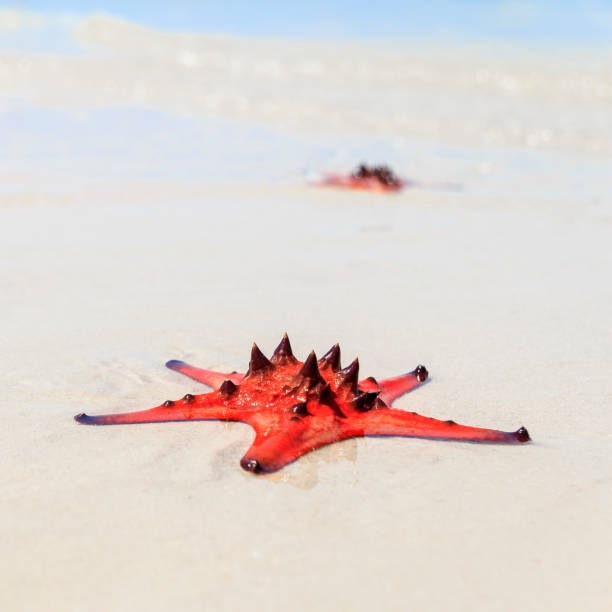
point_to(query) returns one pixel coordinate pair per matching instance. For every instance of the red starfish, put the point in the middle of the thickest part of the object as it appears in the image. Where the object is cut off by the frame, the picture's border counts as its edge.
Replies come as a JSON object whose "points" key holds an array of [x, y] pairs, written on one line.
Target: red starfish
{"points": [[367, 183], [295, 407]]}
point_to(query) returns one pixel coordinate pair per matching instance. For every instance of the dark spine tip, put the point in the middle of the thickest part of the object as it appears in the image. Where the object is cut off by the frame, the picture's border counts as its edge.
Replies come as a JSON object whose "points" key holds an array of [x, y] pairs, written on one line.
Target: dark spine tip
{"points": [[349, 376], [331, 359], [371, 397], [358, 403], [283, 352], [250, 465], [310, 368], [450, 423], [227, 388], [188, 398], [365, 401], [81, 417], [326, 395], [258, 360], [301, 408], [522, 435], [168, 403], [421, 373]]}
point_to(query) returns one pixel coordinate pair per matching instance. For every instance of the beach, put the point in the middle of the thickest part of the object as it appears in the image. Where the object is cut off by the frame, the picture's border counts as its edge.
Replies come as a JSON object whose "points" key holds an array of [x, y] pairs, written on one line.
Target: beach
{"points": [[163, 205]]}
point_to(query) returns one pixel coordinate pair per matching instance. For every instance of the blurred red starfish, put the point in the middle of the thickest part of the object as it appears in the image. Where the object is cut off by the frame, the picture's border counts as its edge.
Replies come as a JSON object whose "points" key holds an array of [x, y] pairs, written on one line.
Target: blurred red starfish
{"points": [[295, 407]]}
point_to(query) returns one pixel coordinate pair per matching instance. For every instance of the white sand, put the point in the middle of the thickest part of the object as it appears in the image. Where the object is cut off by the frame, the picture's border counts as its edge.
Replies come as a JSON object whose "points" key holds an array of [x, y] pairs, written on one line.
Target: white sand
{"points": [[121, 249]]}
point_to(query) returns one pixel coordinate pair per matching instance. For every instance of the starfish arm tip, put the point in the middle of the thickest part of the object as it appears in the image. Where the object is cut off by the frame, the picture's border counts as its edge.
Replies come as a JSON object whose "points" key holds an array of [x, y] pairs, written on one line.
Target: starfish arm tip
{"points": [[251, 465], [175, 363], [522, 435], [84, 419], [421, 373]]}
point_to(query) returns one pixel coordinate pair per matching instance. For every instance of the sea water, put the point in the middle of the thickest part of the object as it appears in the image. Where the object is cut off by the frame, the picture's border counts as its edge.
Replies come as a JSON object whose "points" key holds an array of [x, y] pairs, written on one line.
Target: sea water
{"points": [[99, 97]]}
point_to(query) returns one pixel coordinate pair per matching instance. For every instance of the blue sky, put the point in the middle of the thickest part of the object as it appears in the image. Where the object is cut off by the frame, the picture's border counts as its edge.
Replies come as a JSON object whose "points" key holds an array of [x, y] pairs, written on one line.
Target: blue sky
{"points": [[539, 22]]}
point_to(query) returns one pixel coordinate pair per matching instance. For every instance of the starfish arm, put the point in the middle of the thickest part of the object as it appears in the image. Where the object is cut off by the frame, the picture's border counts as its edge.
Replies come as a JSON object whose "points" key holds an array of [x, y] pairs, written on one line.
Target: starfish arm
{"points": [[394, 387], [190, 408], [208, 377], [390, 422], [271, 452]]}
